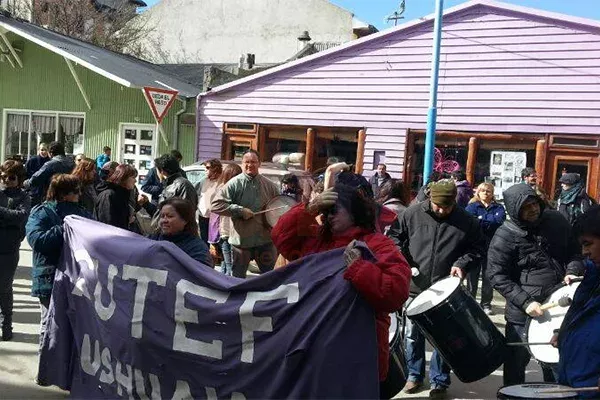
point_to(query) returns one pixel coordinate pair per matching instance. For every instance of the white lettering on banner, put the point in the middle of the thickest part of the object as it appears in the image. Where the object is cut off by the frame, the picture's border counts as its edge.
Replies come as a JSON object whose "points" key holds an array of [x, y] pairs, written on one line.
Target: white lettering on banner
{"points": [[143, 276], [251, 324], [140, 386], [106, 312], [80, 288], [87, 365], [106, 376], [182, 315], [182, 391], [123, 380]]}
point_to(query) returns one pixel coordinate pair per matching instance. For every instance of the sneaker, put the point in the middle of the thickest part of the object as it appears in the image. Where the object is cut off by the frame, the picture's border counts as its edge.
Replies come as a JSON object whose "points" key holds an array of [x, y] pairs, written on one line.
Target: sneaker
{"points": [[412, 387], [488, 311], [438, 392]]}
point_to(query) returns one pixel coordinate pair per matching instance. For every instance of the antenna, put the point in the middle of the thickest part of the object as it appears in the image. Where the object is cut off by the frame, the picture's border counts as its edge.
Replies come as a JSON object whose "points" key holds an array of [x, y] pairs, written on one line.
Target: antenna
{"points": [[397, 15]]}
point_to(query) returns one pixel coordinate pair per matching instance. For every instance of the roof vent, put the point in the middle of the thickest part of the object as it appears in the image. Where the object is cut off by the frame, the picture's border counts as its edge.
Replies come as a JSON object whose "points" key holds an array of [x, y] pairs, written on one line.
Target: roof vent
{"points": [[305, 37]]}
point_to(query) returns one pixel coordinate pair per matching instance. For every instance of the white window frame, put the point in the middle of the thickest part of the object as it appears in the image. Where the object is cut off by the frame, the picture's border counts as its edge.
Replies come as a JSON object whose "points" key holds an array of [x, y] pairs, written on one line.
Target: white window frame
{"points": [[55, 114]]}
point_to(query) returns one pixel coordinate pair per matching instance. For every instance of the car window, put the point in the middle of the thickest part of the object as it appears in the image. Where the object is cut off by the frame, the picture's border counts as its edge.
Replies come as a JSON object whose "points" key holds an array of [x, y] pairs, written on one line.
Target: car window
{"points": [[195, 176]]}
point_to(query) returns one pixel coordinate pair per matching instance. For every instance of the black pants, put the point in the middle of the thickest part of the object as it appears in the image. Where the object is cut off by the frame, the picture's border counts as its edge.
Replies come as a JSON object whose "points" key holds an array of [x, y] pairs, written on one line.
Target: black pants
{"points": [[517, 358], [203, 226], [8, 267], [487, 292]]}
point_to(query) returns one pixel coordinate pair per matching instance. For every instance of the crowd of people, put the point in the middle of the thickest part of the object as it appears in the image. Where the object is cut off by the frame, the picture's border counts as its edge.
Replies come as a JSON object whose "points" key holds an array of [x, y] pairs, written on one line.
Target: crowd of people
{"points": [[393, 251]]}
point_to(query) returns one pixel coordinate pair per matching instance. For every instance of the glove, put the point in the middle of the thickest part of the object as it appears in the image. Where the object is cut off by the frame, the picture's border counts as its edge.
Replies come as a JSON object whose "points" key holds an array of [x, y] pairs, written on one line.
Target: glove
{"points": [[322, 202], [351, 254], [534, 310], [247, 213]]}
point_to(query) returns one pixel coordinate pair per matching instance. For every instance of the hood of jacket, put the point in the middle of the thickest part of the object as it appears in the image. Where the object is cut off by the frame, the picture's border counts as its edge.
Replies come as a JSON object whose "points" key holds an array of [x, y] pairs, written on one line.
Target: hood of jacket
{"points": [[514, 198], [104, 186], [463, 184]]}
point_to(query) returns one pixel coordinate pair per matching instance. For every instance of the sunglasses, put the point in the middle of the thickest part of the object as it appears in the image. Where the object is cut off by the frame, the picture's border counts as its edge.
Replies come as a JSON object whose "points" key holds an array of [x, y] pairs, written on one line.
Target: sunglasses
{"points": [[10, 178]]}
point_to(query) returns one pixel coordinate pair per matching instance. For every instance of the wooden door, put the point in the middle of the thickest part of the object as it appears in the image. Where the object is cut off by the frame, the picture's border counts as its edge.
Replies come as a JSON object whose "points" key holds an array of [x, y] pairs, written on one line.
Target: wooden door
{"points": [[586, 164]]}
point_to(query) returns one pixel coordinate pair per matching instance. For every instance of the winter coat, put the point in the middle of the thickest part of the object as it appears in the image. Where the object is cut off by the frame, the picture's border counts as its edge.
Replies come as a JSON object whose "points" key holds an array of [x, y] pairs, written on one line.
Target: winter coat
{"points": [[34, 164], [112, 205], [374, 182], [433, 246], [574, 202], [192, 245], [464, 193], [45, 236], [578, 340], [101, 160], [396, 205], [383, 283], [490, 218], [40, 181], [527, 261], [15, 205], [174, 186], [152, 185], [87, 200], [244, 191]]}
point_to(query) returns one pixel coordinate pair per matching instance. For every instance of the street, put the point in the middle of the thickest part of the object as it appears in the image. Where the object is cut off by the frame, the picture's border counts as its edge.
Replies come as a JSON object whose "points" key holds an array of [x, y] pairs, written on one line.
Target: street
{"points": [[18, 358]]}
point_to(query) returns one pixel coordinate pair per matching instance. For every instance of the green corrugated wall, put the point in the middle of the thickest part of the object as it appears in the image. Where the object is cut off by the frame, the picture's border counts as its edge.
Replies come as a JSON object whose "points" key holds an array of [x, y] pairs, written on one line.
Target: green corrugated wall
{"points": [[45, 83]]}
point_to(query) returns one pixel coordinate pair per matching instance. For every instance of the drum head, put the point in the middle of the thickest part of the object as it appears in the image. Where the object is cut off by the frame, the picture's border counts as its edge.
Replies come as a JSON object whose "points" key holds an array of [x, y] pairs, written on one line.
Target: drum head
{"points": [[435, 295], [285, 202], [542, 329], [532, 391]]}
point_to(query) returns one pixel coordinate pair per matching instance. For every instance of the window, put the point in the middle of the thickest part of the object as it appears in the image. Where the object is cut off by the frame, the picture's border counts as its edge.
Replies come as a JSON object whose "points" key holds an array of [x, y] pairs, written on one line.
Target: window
{"points": [[25, 130], [233, 127], [574, 142]]}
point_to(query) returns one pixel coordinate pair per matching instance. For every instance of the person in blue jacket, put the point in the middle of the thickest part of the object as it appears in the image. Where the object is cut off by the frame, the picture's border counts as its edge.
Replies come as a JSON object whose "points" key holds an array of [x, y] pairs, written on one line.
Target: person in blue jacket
{"points": [[177, 222], [45, 236], [578, 337], [491, 216]]}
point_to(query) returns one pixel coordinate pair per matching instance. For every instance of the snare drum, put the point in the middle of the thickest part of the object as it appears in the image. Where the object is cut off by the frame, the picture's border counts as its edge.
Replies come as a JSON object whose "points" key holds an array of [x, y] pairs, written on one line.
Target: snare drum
{"points": [[278, 205], [541, 329], [534, 391], [397, 372], [458, 328]]}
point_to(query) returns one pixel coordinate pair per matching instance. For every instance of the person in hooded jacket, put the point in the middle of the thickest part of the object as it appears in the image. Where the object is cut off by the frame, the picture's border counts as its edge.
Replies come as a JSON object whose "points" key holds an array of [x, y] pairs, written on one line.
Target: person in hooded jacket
{"points": [[573, 201], [40, 181], [113, 202], [15, 205], [349, 215], [464, 191], [529, 255], [390, 196]]}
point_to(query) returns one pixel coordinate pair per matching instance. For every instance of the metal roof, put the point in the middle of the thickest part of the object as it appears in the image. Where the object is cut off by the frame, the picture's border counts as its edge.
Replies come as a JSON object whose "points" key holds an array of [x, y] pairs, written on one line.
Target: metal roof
{"points": [[121, 68]]}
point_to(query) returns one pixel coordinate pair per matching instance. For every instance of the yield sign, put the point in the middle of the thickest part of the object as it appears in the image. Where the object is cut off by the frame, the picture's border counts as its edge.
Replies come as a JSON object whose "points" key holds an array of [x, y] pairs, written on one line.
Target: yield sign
{"points": [[160, 100]]}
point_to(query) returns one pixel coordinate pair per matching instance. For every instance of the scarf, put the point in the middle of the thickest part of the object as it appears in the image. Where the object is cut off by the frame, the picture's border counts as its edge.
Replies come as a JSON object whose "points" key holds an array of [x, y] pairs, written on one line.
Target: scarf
{"points": [[569, 196]]}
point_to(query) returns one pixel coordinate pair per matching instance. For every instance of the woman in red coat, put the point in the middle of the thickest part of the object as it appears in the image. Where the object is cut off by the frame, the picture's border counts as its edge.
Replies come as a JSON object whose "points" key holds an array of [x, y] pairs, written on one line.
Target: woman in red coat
{"points": [[347, 215]]}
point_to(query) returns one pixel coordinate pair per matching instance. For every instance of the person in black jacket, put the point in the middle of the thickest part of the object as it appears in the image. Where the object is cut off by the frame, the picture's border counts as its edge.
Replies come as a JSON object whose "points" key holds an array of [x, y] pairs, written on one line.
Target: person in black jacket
{"points": [[438, 239], [528, 257], [15, 205], [573, 200], [36, 162], [40, 181], [113, 202]]}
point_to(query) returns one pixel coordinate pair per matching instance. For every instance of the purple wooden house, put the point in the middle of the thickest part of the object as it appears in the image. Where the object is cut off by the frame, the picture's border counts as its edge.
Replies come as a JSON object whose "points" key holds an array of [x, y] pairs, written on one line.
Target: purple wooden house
{"points": [[518, 87]]}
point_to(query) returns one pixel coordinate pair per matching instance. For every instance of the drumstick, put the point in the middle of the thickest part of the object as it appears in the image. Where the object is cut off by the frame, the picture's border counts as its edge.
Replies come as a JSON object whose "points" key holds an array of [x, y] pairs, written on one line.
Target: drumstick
{"points": [[270, 209], [581, 389], [562, 302], [529, 344]]}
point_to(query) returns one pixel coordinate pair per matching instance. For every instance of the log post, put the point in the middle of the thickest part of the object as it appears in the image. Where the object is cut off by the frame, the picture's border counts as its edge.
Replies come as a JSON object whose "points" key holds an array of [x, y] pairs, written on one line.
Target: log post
{"points": [[472, 159], [540, 161], [360, 152], [311, 135]]}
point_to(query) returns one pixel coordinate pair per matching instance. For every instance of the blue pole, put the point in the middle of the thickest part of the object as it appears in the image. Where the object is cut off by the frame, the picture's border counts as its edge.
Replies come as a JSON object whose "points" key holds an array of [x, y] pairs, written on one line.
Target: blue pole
{"points": [[432, 111]]}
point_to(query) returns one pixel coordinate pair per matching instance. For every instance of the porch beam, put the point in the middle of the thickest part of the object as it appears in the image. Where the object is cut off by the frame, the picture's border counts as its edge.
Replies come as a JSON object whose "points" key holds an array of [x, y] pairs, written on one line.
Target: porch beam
{"points": [[540, 160], [311, 134], [6, 55], [78, 82], [360, 152], [11, 49], [472, 160]]}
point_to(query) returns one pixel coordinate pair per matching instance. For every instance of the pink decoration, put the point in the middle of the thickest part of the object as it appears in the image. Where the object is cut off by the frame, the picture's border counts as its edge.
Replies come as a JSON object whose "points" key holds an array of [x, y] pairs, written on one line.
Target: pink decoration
{"points": [[442, 164]]}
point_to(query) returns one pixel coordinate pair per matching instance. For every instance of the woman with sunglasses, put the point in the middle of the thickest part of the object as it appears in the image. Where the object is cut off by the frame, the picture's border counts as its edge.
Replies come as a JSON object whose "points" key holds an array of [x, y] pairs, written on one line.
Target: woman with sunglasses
{"points": [[45, 236], [15, 205]]}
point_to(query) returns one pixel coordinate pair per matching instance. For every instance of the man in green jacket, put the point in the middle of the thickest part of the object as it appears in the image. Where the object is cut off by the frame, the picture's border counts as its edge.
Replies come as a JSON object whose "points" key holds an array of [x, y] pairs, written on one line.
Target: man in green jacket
{"points": [[239, 199]]}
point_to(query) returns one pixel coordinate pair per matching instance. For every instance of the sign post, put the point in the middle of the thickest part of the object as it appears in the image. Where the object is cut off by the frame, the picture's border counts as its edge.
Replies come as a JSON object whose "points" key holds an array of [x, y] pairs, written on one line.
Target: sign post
{"points": [[160, 100]]}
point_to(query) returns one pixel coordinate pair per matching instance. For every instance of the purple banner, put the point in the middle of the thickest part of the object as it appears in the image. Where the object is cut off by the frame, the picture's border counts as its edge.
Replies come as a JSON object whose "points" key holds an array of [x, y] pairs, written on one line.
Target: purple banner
{"points": [[132, 317]]}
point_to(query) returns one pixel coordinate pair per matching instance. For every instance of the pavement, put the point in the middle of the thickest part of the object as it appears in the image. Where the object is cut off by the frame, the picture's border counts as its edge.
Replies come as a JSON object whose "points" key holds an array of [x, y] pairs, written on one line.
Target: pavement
{"points": [[18, 358]]}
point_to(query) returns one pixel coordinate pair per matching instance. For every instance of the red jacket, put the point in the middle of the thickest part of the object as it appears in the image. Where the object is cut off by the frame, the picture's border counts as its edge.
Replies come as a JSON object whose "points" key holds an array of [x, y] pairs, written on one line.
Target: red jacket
{"points": [[383, 284]]}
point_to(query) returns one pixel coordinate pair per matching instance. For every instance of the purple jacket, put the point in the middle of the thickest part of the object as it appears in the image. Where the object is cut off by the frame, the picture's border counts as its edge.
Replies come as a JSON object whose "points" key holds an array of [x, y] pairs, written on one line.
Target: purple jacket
{"points": [[464, 193]]}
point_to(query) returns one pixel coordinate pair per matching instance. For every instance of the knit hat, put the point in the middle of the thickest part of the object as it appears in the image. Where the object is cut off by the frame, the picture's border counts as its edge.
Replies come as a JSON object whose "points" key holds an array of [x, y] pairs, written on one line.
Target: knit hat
{"points": [[443, 192], [570, 178]]}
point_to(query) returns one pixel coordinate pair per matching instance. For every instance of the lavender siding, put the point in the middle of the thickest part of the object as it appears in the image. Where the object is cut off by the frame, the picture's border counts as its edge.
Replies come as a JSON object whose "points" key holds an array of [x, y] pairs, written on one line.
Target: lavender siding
{"points": [[501, 71]]}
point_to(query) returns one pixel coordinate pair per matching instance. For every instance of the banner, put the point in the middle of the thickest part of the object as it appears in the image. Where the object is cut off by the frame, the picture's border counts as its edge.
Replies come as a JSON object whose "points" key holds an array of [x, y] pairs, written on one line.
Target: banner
{"points": [[131, 317]]}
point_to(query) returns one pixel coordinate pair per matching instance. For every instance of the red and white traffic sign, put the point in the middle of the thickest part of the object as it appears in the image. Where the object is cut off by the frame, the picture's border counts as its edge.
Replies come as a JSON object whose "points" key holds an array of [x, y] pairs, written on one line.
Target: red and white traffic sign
{"points": [[160, 100]]}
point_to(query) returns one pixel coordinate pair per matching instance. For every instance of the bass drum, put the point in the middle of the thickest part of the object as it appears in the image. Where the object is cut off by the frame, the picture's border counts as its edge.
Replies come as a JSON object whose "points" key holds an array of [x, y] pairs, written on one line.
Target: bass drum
{"points": [[541, 329], [458, 328], [278, 206], [397, 372], [535, 391]]}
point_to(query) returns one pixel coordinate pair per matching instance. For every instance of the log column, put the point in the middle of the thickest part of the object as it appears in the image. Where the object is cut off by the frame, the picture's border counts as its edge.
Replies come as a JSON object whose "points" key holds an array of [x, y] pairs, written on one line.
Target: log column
{"points": [[311, 135], [540, 160], [360, 152], [472, 159]]}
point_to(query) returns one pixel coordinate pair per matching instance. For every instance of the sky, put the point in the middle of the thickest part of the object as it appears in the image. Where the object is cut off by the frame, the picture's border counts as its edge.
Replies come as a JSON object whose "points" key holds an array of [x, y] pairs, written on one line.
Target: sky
{"points": [[374, 12]]}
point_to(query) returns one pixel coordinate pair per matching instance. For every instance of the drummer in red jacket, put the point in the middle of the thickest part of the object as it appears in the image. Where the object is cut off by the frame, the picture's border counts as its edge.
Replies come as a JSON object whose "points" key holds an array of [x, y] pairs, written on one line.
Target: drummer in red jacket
{"points": [[349, 215]]}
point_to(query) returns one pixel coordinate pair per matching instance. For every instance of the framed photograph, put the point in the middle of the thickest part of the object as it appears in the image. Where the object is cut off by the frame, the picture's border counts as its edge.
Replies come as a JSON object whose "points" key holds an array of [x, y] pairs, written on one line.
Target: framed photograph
{"points": [[497, 159], [145, 150], [146, 135], [509, 167], [131, 134], [129, 161], [144, 164], [130, 148]]}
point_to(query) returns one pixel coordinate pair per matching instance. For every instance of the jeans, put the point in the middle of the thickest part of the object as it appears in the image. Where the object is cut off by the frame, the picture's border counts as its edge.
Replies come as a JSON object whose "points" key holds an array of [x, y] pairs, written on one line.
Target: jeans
{"points": [[487, 292], [414, 344], [44, 305], [227, 264], [265, 256], [8, 267], [517, 358]]}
